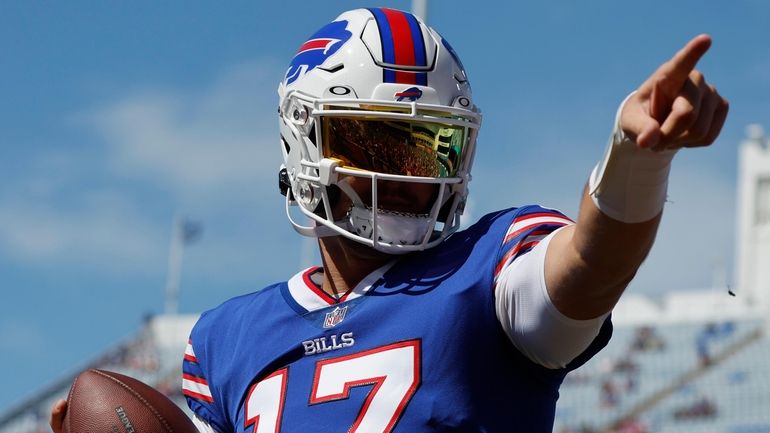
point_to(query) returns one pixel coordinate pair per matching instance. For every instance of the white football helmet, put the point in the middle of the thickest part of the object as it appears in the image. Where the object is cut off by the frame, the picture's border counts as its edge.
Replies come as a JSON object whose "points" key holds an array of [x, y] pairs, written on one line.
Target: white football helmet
{"points": [[376, 94]]}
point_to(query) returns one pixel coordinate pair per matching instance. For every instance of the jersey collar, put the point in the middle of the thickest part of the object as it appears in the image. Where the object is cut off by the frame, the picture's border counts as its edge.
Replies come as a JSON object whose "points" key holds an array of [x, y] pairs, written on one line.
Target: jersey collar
{"points": [[309, 295]]}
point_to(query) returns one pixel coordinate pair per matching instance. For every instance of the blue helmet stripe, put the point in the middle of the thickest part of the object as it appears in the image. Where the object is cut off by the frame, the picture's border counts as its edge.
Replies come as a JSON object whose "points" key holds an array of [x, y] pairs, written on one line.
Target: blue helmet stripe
{"points": [[417, 40], [386, 39], [420, 58]]}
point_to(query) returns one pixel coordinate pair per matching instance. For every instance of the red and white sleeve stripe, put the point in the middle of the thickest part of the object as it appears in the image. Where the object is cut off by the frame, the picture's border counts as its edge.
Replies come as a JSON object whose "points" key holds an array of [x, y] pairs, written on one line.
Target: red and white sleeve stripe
{"points": [[189, 353], [526, 222], [196, 387], [525, 232]]}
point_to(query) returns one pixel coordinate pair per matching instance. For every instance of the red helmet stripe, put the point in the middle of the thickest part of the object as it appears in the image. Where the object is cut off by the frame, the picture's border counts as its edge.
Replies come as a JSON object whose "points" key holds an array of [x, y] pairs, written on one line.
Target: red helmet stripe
{"points": [[403, 42]]}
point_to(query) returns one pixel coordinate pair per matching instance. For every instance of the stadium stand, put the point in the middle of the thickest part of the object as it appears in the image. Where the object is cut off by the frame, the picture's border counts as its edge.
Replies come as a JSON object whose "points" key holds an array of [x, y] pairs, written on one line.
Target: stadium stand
{"points": [[672, 378], [153, 355]]}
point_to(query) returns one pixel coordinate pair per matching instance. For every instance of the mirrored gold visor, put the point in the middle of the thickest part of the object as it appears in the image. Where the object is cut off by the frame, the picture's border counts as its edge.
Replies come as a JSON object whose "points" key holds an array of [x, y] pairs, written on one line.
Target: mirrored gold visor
{"points": [[402, 147]]}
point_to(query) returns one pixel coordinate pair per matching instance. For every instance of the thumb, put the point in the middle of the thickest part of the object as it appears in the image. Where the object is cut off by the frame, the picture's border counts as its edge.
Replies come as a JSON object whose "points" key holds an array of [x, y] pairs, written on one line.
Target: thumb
{"points": [[649, 133], [57, 416], [639, 126]]}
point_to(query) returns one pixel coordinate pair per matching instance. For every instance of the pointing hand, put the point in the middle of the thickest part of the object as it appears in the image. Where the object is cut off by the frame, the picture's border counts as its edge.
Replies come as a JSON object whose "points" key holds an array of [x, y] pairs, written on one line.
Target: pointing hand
{"points": [[675, 107]]}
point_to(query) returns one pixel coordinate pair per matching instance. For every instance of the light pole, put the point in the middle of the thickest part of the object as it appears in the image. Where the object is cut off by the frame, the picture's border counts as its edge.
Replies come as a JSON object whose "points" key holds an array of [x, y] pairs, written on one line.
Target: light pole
{"points": [[420, 9], [184, 232]]}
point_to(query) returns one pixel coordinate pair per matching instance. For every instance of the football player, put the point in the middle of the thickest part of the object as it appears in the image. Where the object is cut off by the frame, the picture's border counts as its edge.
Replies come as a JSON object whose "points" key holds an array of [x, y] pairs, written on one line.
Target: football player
{"points": [[409, 325]]}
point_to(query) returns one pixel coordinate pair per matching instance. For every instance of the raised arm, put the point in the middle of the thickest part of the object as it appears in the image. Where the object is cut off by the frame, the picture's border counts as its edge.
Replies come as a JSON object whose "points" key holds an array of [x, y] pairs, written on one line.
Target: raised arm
{"points": [[589, 264]]}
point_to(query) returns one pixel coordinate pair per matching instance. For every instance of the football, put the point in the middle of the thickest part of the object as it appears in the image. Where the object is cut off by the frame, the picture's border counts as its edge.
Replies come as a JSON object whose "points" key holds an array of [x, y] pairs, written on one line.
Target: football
{"points": [[106, 402]]}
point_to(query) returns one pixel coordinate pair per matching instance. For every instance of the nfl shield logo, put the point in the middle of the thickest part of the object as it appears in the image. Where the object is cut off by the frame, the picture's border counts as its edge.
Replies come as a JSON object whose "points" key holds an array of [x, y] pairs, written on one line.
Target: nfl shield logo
{"points": [[335, 317]]}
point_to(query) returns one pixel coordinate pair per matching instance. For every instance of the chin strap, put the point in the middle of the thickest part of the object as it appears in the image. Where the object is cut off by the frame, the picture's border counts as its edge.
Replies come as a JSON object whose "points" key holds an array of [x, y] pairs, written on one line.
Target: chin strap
{"points": [[393, 228]]}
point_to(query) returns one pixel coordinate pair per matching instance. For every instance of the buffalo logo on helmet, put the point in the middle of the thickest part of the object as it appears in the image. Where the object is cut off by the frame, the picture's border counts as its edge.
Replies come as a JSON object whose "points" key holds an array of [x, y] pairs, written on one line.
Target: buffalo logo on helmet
{"points": [[411, 94], [314, 52]]}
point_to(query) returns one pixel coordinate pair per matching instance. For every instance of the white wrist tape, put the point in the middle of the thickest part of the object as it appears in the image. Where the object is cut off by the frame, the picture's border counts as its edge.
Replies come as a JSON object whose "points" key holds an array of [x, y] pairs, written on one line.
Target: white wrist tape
{"points": [[630, 183]]}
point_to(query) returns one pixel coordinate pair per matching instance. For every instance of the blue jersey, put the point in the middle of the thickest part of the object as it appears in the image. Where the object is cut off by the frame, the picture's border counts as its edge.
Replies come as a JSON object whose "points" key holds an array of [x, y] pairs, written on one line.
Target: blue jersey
{"points": [[414, 348]]}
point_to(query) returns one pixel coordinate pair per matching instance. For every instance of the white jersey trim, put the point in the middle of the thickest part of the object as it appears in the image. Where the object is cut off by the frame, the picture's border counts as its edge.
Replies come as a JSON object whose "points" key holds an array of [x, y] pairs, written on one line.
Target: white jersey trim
{"points": [[202, 425], [533, 324], [310, 297]]}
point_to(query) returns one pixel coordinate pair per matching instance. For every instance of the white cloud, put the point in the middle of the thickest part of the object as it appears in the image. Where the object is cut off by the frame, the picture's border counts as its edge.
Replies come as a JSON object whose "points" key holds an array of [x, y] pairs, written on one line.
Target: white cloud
{"points": [[213, 150], [224, 137], [103, 228]]}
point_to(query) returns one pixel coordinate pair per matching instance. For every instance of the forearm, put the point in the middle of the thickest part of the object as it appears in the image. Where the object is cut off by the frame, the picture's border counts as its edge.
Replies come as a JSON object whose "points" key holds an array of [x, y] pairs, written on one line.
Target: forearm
{"points": [[619, 214], [621, 207], [592, 262], [589, 264], [609, 247]]}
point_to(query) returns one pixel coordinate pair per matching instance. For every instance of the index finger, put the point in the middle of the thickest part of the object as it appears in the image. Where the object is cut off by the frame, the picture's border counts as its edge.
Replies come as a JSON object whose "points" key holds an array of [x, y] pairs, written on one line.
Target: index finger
{"points": [[676, 70]]}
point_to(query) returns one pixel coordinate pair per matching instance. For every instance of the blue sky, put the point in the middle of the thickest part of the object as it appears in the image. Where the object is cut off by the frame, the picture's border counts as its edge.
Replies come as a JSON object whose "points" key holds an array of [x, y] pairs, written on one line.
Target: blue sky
{"points": [[115, 116]]}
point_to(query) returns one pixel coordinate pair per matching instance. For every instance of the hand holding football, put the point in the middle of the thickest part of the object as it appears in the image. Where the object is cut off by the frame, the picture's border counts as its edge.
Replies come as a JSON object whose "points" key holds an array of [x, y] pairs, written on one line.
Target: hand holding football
{"points": [[106, 402]]}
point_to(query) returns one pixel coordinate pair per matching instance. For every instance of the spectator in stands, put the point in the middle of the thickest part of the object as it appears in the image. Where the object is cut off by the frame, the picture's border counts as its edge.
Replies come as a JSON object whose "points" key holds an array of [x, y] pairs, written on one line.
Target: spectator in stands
{"points": [[609, 394], [700, 409], [711, 332], [647, 340], [632, 426]]}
